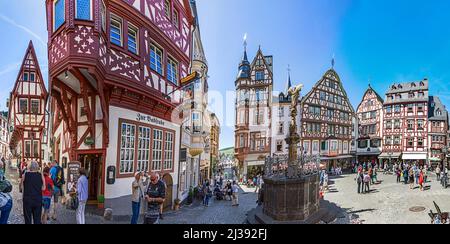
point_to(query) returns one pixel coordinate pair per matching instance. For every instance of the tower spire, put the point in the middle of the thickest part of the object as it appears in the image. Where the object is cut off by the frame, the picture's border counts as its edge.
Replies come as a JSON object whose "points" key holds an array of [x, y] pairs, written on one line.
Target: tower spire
{"points": [[333, 62], [289, 83], [245, 47]]}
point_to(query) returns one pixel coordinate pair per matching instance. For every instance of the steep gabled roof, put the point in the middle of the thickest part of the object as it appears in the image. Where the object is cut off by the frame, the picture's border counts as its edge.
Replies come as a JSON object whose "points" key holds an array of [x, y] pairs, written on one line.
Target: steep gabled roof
{"points": [[30, 62], [379, 98], [260, 54], [331, 73]]}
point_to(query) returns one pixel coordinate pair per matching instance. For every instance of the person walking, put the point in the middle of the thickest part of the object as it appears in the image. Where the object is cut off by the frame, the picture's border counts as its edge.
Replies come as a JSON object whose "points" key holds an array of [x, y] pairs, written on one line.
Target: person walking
{"points": [[82, 194], [405, 175], [32, 185], [228, 191], [421, 181], [57, 175], [46, 195], [137, 189], [325, 181], [235, 190], [6, 201], [438, 173], [366, 180], [155, 197], [207, 193]]}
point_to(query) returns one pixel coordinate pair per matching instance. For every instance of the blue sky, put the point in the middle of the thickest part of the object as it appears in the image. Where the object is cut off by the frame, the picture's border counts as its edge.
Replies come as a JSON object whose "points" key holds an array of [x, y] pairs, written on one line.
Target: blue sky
{"points": [[381, 41]]}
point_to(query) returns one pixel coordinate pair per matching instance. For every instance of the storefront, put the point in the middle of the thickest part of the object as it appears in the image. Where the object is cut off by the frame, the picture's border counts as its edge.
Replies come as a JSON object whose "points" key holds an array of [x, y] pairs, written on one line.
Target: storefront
{"points": [[389, 158], [419, 158], [344, 161], [139, 143]]}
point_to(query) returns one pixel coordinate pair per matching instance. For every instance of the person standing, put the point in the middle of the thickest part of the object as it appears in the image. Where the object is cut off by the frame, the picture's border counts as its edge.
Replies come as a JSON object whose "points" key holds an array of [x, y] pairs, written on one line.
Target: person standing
{"points": [[155, 196], [359, 181], [421, 180], [82, 194], [438, 173], [235, 190], [6, 202], [411, 178], [137, 188], [32, 185], [57, 175], [161, 207], [366, 182], [398, 173], [46, 195]]}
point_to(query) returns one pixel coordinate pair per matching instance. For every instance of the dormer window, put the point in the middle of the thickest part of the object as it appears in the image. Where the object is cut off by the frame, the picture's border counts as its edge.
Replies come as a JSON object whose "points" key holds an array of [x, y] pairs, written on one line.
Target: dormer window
{"points": [[413, 84], [422, 83], [400, 86], [411, 95], [83, 9], [394, 87], [438, 112]]}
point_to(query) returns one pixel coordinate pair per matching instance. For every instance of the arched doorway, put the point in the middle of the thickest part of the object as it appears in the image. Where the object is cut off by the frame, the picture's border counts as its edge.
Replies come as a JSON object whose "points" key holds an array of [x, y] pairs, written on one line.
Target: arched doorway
{"points": [[167, 178]]}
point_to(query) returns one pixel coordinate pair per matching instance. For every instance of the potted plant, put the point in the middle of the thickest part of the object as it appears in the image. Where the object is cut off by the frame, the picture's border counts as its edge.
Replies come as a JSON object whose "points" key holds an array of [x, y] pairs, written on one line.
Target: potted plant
{"points": [[101, 201], [177, 203]]}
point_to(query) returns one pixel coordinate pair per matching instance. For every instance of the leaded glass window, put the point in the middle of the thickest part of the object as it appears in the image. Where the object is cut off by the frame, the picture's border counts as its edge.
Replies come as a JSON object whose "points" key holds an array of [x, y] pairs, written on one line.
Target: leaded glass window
{"points": [[116, 30], [143, 156], [127, 148], [157, 150], [59, 14], [156, 57], [84, 9], [172, 71], [168, 151]]}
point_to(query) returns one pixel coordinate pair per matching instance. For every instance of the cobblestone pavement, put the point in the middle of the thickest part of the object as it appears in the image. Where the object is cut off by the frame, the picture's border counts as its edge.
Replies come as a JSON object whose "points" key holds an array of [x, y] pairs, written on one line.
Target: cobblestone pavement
{"points": [[388, 202], [219, 212]]}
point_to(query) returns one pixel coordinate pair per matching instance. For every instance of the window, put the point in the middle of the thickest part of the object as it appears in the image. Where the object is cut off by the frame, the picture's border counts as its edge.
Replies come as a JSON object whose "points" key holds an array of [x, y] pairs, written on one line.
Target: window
{"points": [[389, 124], [156, 58], [35, 149], [411, 95], [279, 145], [103, 15], [420, 107], [83, 9], [375, 143], [32, 76], [25, 76], [397, 124], [172, 71], [168, 151], [420, 124], [330, 114], [116, 30], [397, 108], [410, 142], [410, 124], [133, 39], [143, 156], [127, 148], [410, 108], [176, 18], [58, 14], [306, 147], [241, 141], [167, 8], [420, 142], [388, 140], [157, 150], [23, 105], [314, 110], [389, 109], [280, 128], [323, 96], [35, 106], [324, 146], [362, 144], [259, 75], [397, 140], [27, 149], [281, 111]]}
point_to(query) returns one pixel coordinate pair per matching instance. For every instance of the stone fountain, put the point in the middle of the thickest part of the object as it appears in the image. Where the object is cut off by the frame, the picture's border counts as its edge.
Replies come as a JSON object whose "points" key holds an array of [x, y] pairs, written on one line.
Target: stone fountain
{"points": [[291, 184]]}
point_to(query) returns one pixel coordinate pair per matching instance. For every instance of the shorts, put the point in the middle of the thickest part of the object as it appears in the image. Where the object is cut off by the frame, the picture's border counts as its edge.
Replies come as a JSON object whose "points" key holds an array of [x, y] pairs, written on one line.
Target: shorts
{"points": [[46, 202]]}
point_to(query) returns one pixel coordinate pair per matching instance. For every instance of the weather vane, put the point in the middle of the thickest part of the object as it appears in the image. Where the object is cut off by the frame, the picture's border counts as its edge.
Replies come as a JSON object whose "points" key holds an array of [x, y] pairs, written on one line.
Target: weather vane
{"points": [[333, 62]]}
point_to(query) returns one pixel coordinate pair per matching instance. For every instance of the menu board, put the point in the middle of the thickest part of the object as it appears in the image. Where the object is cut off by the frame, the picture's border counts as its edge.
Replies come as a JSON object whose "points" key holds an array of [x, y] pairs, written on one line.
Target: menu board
{"points": [[73, 173]]}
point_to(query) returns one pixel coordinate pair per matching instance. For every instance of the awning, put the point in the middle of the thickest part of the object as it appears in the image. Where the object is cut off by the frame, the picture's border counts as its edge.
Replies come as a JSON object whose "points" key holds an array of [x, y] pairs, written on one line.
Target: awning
{"points": [[256, 163], [367, 153], [414, 156], [393, 155]]}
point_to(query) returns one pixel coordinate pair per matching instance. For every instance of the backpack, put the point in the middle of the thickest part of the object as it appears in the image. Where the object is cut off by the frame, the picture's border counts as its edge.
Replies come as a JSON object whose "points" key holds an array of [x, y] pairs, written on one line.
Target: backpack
{"points": [[5, 186], [59, 179], [74, 203]]}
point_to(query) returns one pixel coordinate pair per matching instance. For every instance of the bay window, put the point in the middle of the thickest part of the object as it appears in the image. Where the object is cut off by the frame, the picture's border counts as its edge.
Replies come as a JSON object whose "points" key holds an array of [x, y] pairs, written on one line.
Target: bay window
{"points": [[58, 14]]}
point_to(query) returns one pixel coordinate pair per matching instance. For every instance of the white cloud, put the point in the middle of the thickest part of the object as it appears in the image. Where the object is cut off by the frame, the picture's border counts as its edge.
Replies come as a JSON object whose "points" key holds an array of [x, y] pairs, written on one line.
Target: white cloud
{"points": [[24, 28]]}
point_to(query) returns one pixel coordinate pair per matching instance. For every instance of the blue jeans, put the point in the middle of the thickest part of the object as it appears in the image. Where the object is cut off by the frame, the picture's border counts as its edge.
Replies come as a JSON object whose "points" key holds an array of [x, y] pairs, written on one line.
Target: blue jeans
{"points": [[206, 200], [5, 211], [136, 207]]}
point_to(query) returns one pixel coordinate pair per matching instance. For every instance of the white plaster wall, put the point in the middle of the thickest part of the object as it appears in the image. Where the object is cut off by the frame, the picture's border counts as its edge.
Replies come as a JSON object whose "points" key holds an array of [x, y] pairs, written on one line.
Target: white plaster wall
{"points": [[122, 186]]}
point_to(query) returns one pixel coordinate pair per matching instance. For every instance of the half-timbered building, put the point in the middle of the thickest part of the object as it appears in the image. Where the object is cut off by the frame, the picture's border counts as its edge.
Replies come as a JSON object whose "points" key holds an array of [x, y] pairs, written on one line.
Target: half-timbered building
{"points": [[4, 136], [114, 70], [254, 87], [370, 127], [437, 130], [27, 109], [405, 118], [327, 116]]}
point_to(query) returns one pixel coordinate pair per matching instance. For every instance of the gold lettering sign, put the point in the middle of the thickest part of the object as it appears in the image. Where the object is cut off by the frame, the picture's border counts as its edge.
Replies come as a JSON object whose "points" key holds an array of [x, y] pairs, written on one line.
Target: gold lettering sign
{"points": [[188, 79]]}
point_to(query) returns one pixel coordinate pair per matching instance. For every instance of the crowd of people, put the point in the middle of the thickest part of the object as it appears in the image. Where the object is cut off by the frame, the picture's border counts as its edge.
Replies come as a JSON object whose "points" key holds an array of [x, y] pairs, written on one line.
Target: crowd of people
{"points": [[366, 175], [42, 190]]}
